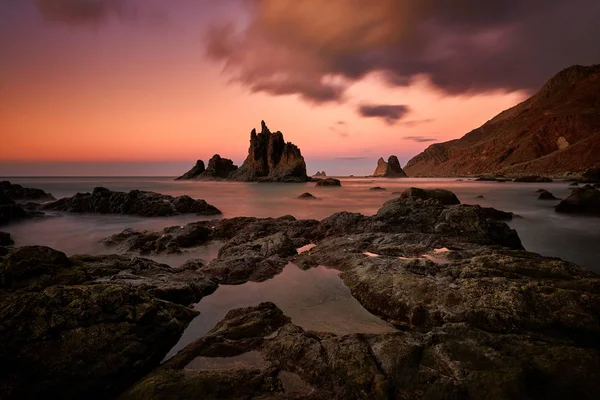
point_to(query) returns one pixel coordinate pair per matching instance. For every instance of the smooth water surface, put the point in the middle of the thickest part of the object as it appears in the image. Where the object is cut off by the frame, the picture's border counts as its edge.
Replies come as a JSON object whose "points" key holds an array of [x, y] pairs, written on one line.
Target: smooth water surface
{"points": [[573, 238], [315, 299]]}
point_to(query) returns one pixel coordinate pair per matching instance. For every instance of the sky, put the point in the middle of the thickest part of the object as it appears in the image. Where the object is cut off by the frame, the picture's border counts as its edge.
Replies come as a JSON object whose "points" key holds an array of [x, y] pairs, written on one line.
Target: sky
{"points": [[146, 87]]}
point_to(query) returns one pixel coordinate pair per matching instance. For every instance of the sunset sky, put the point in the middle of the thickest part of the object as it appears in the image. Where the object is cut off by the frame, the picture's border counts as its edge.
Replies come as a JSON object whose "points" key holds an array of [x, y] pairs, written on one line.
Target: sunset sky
{"points": [[146, 87]]}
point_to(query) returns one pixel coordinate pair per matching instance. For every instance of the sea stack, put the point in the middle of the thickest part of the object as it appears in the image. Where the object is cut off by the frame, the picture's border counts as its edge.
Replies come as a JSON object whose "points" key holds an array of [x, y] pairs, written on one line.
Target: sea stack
{"points": [[389, 169], [271, 159], [320, 173], [218, 168]]}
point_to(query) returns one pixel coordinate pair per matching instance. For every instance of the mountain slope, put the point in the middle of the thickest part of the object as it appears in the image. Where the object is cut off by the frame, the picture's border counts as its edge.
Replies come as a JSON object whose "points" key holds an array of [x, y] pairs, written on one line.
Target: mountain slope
{"points": [[555, 131]]}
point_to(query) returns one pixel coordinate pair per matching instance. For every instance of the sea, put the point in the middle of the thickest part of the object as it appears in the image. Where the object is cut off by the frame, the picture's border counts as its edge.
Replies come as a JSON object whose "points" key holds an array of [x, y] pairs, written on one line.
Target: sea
{"points": [[315, 299]]}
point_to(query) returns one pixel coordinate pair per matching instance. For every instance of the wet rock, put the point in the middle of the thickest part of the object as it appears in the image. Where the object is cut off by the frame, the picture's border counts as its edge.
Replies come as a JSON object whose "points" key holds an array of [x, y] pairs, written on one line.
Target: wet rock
{"points": [[389, 169], [19, 193], [332, 182], [592, 175], [455, 360], [532, 178], [196, 171], [444, 196], [271, 159], [596, 185], [546, 195], [574, 183], [5, 239], [307, 196], [135, 202], [170, 240], [588, 186], [377, 188], [67, 333], [581, 201], [480, 197]]}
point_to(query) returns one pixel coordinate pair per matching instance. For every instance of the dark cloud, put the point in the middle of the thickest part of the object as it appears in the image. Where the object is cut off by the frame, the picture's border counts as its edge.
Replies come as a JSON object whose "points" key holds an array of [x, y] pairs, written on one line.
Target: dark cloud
{"points": [[389, 113], [351, 158], [316, 49], [95, 12], [420, 139]]}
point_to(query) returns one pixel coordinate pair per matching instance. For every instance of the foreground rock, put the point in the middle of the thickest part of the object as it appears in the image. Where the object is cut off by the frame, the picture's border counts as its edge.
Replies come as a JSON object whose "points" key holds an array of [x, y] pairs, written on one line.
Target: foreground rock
{"points": [[532, 178], [19, 193], [5, 239], [443, 196], [592, 175], [135, 202], [581, 201], [11, 211], [329, 182], [389, 169], [218, 168], [271, 159], [86, 327]]}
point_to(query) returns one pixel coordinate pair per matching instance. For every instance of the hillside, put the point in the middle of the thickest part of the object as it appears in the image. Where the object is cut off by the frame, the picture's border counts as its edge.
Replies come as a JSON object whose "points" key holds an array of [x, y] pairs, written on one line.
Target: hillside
{"points": [[554, 132]]}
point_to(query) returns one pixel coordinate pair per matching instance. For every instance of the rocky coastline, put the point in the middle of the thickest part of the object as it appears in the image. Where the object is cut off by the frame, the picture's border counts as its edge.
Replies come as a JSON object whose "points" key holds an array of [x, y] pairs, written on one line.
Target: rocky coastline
{"points": [[476, 315]]}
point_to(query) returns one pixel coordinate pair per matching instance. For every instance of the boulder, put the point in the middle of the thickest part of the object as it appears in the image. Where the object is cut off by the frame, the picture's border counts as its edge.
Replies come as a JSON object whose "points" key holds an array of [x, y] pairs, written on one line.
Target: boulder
{"points": [[389, 169], [377, 188], [135, 202], [271, 159], [444, 196], [67, 330], [546, 195], [329, 182], [581, 201], [19, 193], [592, 174], [306, 196], [196, 171]]}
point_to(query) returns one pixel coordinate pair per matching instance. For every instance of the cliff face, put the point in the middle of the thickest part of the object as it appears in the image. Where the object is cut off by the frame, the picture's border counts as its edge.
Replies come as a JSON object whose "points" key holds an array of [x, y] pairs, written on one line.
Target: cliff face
{"points": [[554, 132], [271, 159], [389, 169]]}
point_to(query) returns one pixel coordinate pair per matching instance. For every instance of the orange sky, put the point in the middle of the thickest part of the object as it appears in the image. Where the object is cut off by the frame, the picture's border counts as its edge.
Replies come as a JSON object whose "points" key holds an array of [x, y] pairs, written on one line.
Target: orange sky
{"points": [[121, 91]]}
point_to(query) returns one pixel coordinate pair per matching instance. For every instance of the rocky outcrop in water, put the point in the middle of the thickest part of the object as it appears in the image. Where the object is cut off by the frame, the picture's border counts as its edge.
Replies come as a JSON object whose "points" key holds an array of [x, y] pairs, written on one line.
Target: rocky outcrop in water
{"points": [[555, 132], [271, 159], [442, 195], [85, 327], [332, 182], [135, 202], [196, 171], [546, 195], [389, 169], [218, 168], [11, 211], [585, 200], [532, 178], [19, 193], [307, 196]]}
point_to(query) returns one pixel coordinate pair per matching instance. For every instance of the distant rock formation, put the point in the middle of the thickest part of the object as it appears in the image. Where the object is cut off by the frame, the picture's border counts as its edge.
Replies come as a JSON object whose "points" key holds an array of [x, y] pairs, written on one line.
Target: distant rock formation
{"points": [[389, 169], [135, 202], [196, 171], [218, 168], [271, 159], [555, 132], [16, 192], [320, 173]]}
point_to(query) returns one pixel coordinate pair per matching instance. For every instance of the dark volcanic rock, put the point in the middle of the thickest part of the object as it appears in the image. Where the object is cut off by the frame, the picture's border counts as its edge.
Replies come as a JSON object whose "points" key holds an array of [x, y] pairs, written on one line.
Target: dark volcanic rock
{"points": [[219, 168], [389, 169], [19, 193], [307, 196], [5, 239], [196, 171], [377, 188], [592, 175], [271, 159], [329, 182], [546, 195], [68, 330], [135, 202], [532, 178], [581, 201], [444, 196]]}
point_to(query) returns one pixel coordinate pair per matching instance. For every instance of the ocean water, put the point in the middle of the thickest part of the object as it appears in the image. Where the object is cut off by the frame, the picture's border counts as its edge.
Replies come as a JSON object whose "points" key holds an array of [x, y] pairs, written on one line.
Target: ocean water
{"points": [[570, 237]]}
